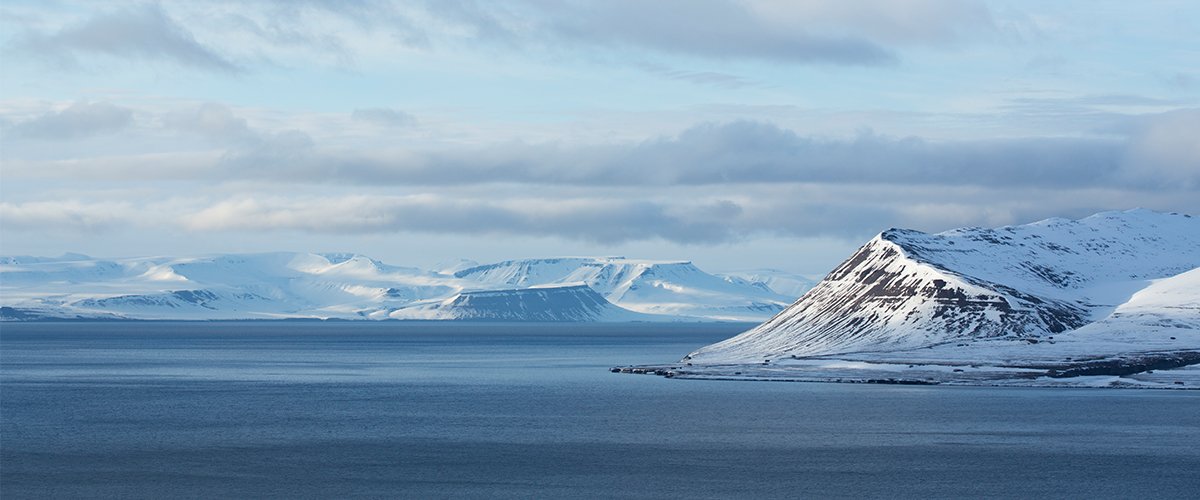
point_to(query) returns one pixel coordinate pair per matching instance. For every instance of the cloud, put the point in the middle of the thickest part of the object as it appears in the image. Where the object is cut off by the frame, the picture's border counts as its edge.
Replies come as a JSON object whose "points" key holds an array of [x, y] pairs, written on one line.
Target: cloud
{"points": [[922, 22], [1179, 80], [365, 15], [274, 154], [385, 117], [729, 153], [1052, 64], [65, 216], [1086, 104], [205, 35], [733, 153], [863, 32], [139, 33], [686, 215], [250, 150], [695, 217], [593, 220], [714, 29], [713, 78], [79, 120], [213, 121], [757, 152], [1166, 149]]}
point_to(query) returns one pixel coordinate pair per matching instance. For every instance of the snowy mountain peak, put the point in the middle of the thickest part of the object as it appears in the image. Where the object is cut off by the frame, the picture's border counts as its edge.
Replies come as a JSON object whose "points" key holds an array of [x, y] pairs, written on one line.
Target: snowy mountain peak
{"points": [[1061, 253], [908, 289]]}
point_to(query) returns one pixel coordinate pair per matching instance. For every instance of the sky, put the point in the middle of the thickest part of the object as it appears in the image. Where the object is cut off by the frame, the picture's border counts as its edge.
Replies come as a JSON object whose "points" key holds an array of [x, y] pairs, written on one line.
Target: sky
{"points": [[738, 134]]}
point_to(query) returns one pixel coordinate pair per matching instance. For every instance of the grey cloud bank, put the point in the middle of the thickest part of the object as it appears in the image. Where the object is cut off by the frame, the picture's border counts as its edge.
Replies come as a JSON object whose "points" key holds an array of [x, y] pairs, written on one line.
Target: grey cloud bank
{"points": [[1149, 152], [144, 32], [598, 221], [682, 215]]}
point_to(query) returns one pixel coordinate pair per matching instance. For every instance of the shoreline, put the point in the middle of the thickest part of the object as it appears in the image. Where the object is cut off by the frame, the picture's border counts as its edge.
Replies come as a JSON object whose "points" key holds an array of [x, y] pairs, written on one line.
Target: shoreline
{"points": [[1171, 370]]}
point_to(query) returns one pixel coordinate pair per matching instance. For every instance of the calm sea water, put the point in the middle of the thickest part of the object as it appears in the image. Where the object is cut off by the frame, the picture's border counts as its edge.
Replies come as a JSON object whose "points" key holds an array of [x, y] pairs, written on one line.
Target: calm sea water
{"points": [[418, 410]]}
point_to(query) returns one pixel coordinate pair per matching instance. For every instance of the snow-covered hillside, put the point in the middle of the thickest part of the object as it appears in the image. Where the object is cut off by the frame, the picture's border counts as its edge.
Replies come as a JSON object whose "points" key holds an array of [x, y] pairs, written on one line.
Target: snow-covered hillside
{"points": [[907, 289], [676, 288], [1111, 295], [352, 286]]}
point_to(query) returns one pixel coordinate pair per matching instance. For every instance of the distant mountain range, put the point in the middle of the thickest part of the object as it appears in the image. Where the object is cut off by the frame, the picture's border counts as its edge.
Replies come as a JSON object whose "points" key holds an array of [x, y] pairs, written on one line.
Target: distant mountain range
{"points": [[655, 287], [1115, 294], [352, 286]]}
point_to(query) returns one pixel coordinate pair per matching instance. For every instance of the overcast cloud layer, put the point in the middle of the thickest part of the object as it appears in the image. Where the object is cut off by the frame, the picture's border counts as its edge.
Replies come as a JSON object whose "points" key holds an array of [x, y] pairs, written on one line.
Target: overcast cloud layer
{"points": [[712, 127]]}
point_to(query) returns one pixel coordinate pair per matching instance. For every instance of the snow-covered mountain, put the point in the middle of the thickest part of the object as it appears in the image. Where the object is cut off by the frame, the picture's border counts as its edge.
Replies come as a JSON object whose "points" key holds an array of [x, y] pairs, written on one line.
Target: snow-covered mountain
{"points": [[906, 289], [1116, 294], [270, 285], [353, 286], [676, 288], [569, 303]]}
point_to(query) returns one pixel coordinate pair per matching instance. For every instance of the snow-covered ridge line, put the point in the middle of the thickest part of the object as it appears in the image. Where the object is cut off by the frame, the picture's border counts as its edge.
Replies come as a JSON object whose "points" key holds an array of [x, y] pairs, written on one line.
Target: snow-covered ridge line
{"points": [[354, 286], [1110, 285]]}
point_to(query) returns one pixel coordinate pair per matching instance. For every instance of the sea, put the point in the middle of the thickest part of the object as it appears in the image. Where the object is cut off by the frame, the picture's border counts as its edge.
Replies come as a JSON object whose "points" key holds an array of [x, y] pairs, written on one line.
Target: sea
{"points": [[294, 409]]}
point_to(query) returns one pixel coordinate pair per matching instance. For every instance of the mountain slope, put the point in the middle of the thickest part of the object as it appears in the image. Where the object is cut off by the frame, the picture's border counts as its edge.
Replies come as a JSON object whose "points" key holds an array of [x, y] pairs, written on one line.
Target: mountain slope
{"points": [[906, 289], [567, 303]]}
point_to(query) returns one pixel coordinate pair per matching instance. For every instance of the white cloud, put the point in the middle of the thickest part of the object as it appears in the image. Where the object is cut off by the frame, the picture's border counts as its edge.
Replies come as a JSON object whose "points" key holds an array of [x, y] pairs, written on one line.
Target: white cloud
{"points": [[213, 121]]}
